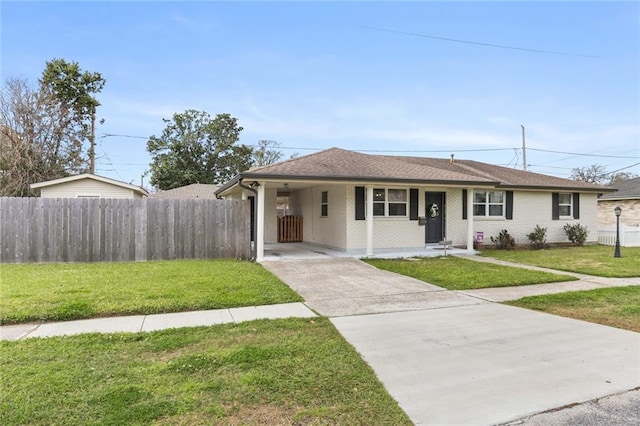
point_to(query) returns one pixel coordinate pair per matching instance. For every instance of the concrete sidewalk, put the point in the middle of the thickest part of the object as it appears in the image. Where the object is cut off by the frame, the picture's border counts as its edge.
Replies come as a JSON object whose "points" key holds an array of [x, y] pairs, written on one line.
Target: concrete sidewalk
{"points": [[145, 323]]}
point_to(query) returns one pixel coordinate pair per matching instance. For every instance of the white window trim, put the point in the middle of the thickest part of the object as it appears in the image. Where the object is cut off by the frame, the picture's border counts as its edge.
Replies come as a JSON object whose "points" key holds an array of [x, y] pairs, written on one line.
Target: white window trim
{"points": [[487, 205], [387, 202], [570, 204], [324, 204]]}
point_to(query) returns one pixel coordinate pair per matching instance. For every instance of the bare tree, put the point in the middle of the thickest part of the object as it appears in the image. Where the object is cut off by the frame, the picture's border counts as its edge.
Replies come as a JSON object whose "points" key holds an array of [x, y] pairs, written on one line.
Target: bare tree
{"points": [[39, 139], [598, 174], [593, 174], [266, 152]]}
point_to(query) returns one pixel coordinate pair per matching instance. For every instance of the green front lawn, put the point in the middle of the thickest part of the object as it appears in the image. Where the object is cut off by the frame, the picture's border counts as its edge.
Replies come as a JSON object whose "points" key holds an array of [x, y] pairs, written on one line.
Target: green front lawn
{"points": [[595, 260], [454, 273], [65, 291], [285, 372], [617, 307]]}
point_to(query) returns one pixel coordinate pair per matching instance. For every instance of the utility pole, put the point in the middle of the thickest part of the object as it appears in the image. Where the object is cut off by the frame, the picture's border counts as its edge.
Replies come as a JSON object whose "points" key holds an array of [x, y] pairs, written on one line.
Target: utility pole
{"points": [[92, 147], [524, 151]]}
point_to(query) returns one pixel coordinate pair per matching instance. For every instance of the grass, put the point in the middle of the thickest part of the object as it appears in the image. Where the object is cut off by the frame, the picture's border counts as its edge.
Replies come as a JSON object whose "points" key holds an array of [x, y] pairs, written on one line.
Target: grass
{"points": [[595, 260], [66, 291], [616, 307], [454, 273], [283, 372]]}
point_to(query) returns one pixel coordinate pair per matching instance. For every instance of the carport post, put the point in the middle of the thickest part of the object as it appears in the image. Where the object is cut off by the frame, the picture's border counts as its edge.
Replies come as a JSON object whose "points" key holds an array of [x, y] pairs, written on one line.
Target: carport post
{"points": [[369, 220], [469, 219], [259, 237]]}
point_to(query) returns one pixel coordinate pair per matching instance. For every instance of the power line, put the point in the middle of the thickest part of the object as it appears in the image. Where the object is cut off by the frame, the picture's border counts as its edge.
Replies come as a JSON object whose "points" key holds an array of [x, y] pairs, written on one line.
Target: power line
{"points": [[624, 168], [419, 150], [404, 151], [106, 135], [584, 155], [477, 43]]}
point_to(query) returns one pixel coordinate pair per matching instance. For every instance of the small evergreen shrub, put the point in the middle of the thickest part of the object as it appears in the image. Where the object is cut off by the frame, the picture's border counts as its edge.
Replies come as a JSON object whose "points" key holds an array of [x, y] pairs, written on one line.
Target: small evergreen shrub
{"points": [[538, 238], [504, 240], [577, 233]]}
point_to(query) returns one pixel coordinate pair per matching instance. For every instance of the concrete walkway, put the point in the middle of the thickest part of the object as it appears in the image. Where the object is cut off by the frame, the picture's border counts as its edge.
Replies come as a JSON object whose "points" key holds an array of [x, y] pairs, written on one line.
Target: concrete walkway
{"points": [[142, 323], [502, 294]]}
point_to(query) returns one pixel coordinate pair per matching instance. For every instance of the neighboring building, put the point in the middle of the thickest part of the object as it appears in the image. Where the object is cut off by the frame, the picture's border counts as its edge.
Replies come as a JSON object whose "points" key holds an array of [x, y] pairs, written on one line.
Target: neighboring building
{"points": [[627, 197], [194, 191], [361, 203], [88, 185]]}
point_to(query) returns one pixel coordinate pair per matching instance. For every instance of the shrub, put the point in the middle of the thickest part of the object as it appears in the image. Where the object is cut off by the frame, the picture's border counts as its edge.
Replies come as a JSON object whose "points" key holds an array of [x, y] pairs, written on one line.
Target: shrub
{"points": [[577, 233], [504, 241], [538, 238]]}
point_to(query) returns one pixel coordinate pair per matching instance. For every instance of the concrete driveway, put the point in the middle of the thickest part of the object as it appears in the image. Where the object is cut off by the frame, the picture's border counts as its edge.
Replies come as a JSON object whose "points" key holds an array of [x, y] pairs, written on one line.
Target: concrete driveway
{"points": [[451, 359], [346, 286]]}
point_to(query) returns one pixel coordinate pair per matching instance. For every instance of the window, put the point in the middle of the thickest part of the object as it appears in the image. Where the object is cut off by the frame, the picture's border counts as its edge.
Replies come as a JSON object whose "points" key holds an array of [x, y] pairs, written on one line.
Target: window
{"points": [[564, 204], [488, 203], [378, 201], [324, 204], [389, 202], [397, 202]]}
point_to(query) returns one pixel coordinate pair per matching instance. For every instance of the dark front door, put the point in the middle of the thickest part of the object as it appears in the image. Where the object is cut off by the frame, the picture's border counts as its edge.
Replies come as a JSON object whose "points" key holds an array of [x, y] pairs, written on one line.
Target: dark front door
{"points": [[435, 216]]}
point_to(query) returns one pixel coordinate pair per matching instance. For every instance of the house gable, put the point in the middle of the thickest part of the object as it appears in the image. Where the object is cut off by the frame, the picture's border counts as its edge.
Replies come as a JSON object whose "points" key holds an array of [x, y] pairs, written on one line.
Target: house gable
{"points": [[88, 185]]}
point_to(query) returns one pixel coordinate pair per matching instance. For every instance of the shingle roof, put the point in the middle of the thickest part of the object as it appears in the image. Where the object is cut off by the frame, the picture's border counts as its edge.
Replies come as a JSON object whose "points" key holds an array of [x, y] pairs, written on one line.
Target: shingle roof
{"points": [[506, 176], [336, 163], [195, 190], [629, 189], [343, 165]]}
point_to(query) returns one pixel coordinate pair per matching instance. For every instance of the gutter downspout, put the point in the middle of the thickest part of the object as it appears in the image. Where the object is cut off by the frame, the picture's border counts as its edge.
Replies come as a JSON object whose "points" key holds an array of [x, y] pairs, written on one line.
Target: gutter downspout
{"points": [[255, 215]]}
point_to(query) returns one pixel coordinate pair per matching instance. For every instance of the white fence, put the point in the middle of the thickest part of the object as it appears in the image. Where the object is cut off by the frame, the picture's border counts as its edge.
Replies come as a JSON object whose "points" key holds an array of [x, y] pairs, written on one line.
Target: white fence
{"points": [[629, 235]]}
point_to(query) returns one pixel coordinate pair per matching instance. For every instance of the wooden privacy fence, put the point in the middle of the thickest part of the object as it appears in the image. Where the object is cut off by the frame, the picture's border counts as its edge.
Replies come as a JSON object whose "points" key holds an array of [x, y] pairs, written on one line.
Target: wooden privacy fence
{"points": [[108, 229], [290, 229]]}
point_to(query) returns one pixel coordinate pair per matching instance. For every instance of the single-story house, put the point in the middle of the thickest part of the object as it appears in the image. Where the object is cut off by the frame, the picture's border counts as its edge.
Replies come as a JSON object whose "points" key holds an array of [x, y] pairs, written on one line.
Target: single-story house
{"points": [[195, 191], [361, 203], [88, 185], [627, 197]]}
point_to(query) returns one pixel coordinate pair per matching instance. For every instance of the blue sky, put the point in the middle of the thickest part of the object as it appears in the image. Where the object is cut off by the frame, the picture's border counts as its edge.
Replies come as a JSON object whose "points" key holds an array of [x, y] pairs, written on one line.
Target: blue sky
{"points": [[356, 75]]}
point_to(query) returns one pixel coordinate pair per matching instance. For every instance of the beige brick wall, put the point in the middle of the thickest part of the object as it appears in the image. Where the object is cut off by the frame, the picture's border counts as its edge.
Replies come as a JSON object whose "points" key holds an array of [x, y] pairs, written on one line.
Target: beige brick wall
{"points": [[630, 215], [270, 215], [532, 208], [455, 225], [328, 231], [388, 232], [341, 230]]}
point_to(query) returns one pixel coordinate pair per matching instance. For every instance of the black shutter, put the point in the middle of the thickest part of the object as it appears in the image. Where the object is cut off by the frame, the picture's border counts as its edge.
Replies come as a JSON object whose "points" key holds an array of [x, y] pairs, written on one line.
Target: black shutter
{"points": [[509, 206], [359, 202], [576, 205], [555, 206], [464, 204], [413, 204]]}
